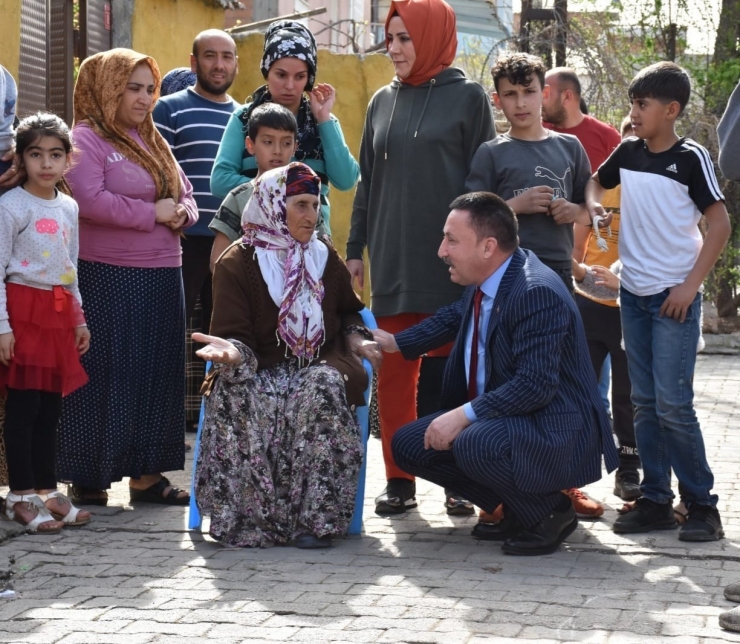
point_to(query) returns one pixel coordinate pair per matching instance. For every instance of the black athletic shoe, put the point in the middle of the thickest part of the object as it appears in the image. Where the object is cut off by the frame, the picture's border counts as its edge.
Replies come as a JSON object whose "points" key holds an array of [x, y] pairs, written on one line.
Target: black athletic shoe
{"points": [[627, 484], [703, 524], [646, 516]]}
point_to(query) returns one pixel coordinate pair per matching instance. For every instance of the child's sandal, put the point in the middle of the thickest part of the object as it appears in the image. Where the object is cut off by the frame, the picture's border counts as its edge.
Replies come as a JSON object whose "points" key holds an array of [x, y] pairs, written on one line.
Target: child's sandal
{"points": [[43, 516], [69, 519]]}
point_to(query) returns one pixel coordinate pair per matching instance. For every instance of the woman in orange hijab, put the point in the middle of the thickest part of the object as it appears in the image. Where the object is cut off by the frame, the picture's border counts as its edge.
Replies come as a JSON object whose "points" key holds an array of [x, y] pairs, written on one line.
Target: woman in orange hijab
{"points": [[421, 132]]}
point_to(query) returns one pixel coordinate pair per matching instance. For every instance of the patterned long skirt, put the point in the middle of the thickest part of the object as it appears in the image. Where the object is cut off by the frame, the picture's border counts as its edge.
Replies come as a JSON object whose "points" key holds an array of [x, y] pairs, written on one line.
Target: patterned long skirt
{"points": [[130, 418], [280, 453]]}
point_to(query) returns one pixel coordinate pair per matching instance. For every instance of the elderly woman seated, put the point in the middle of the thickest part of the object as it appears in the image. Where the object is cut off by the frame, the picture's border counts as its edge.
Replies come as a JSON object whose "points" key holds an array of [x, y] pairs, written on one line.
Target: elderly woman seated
{"points": [[280, 447]]}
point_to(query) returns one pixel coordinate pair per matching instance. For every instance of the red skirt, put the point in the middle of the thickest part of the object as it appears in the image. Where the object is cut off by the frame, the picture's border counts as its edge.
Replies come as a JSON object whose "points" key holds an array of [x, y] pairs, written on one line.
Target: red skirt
{"points": [[45, 355]]}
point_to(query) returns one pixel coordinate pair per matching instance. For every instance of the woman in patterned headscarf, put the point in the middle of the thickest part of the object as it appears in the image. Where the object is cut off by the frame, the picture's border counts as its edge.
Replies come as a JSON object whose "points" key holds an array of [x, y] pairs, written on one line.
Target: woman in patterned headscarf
{"points": [[177, 80], [289, 67], [134, 203], [280, 447]]}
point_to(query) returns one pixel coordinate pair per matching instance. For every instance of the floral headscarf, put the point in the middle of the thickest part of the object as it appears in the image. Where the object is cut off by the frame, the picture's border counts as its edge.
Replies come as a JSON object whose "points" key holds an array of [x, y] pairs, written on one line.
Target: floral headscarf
{"points": [[289, 39], [97, 94], [177, 80], [292, 270]]}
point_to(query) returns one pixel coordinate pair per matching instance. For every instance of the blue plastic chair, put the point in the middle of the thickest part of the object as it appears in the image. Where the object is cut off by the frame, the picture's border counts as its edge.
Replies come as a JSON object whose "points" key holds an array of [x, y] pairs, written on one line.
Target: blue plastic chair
{"points": [[362, 413], [363, 418]]}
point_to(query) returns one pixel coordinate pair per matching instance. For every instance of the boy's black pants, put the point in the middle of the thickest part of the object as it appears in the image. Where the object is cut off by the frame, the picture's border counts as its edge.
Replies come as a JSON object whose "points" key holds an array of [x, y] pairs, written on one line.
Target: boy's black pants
{"points": [[603, 328]]}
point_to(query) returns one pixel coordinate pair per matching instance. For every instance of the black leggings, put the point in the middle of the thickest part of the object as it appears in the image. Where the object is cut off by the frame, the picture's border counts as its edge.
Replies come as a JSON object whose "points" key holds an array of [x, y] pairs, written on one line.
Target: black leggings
{"points": [[31, 421]]}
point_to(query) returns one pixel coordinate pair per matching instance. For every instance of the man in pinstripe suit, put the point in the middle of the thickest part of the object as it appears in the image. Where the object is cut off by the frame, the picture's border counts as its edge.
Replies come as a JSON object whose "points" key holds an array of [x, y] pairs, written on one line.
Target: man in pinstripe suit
{"points": [[524, 417]]}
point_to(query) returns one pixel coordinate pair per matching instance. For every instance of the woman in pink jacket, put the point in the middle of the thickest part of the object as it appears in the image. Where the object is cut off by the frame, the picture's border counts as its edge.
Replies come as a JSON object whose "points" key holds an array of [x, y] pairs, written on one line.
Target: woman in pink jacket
{"points": [[134, 203]]}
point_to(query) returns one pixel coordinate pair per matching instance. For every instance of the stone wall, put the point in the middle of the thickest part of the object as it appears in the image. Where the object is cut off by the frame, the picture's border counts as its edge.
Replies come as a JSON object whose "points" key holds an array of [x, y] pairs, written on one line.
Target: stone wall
{"points": [[164, 29]]}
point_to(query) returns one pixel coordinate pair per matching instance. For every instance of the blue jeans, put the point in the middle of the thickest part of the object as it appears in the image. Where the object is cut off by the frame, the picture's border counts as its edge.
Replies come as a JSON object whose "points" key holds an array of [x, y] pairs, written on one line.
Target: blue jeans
{"points": [[661, 356]]}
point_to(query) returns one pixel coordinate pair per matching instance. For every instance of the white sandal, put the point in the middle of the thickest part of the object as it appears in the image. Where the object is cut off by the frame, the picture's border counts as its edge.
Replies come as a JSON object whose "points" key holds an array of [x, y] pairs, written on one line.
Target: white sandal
{"points": [[71, 517], [42, 512]]}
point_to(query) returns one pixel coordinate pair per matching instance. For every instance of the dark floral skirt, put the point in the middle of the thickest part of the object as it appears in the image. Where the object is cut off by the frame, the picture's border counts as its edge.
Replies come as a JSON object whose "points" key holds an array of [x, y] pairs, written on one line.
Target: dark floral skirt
{"points": [[279, 456]]}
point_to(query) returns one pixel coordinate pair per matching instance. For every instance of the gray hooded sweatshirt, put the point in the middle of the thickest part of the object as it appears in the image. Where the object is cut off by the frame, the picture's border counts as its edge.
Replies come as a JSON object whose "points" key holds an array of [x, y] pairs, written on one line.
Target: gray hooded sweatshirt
{"points": [[728, 132], [415, 154]]}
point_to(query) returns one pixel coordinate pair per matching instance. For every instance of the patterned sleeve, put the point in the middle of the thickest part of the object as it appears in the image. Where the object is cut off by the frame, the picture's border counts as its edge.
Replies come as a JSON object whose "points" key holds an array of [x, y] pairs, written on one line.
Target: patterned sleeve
{"points": [[241, 372], [228, 218]]}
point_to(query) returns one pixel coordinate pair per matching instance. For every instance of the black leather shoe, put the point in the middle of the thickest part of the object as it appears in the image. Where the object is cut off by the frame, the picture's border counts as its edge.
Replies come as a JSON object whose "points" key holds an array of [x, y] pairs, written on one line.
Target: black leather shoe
{"points": [[499, 531], [545, 537], [311, 541]]}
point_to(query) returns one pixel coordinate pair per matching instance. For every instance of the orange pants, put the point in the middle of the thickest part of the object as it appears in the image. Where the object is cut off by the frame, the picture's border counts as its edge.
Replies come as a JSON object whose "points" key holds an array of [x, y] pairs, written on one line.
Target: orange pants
{"points": [[397, 382]]}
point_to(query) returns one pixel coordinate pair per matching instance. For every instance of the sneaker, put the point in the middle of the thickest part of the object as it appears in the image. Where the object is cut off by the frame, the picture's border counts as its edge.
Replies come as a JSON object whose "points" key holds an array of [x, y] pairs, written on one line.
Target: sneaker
{"points": [[627, 485], [456, 505], [703, 524], [585, 506], [732, 592], [645, 516], [730, 619]]}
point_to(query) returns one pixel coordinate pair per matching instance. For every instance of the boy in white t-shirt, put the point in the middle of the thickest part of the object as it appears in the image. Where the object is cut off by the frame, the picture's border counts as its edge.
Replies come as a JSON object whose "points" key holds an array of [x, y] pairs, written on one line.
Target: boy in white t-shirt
{"points": [[668, 182]]}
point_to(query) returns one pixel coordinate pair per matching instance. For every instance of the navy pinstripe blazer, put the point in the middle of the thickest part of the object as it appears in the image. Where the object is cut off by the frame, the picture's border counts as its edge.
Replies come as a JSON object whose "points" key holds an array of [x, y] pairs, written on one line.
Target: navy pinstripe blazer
{"points": [[539, 377]]}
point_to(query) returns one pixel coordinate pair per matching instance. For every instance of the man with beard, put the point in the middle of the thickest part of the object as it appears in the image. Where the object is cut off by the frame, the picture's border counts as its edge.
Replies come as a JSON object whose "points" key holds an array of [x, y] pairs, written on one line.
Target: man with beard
{"points": [[192, 121], [561, 111]]}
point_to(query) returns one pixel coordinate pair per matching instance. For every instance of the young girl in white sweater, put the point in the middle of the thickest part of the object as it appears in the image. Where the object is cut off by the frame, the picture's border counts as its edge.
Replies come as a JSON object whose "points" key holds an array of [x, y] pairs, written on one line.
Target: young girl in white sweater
{"points": [[42, 326]]}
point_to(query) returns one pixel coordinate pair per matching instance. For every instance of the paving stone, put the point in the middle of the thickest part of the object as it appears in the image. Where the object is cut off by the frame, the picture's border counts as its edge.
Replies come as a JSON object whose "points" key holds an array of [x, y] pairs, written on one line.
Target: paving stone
{"points": [[250, 633], [420, 637], [137, 575], [163, 628], [320, 635]]}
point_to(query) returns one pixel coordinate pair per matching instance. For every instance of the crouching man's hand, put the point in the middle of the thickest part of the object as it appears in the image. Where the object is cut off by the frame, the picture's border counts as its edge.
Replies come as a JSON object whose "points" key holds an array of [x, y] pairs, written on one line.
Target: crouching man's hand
{"points": [[444, 429]]}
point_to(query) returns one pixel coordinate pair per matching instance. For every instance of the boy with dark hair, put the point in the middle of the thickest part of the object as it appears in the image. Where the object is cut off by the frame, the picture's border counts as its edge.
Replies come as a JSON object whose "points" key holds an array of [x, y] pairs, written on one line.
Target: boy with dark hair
{"points": [[272, 133], [668, 182], [541, 174]]}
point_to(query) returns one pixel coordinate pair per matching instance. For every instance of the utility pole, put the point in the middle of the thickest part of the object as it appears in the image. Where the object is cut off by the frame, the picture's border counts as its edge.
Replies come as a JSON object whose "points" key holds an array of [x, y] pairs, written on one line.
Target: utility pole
{"points": [[554, 20]]}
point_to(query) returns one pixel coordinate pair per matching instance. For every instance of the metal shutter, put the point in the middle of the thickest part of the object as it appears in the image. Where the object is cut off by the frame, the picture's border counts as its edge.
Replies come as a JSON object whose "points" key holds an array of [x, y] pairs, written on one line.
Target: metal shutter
{"points": [[61, 58], [95, 31], [33, 57]]}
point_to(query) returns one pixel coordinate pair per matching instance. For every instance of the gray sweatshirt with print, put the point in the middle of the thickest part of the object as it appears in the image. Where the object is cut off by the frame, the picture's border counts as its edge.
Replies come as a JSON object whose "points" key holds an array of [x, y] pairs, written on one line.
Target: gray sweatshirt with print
{"points": [[507, 166]]}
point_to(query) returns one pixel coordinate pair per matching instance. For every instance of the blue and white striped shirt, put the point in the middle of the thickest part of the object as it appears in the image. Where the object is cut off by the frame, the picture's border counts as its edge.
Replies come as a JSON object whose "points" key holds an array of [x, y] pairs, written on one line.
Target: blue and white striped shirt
{"points": [[193, 126]]}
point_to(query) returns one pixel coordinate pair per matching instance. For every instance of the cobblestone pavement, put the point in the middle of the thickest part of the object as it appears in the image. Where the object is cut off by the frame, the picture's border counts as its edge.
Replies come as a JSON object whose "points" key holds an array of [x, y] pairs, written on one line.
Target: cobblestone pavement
{"points": [[137, 576]]}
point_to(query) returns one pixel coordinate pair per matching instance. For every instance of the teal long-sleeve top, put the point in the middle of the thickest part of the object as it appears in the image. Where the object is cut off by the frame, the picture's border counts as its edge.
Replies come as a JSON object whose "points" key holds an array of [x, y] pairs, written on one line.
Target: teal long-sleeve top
{"points": [[232, 168]]}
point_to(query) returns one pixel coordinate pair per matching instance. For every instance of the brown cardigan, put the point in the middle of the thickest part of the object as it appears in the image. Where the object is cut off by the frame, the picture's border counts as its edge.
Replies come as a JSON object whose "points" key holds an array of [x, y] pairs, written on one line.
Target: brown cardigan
{"points": [[243, 310]]}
